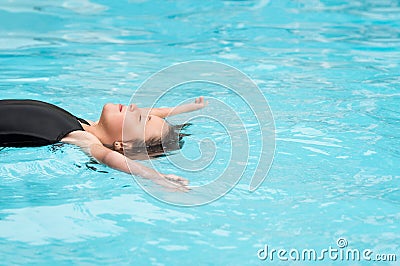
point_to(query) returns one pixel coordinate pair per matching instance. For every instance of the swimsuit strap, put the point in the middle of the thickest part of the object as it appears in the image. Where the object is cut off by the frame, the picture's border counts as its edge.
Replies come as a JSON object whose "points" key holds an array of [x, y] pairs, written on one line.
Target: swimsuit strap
{"points": [[83, 121]]}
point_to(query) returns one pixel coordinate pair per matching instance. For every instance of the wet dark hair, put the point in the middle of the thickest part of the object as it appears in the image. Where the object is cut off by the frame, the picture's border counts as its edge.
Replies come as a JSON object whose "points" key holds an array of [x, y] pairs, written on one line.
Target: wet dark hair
{"points": [[155, 147]]}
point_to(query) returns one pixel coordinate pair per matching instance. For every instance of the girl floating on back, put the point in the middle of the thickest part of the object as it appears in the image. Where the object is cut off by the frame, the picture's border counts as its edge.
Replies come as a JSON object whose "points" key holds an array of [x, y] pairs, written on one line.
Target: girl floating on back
{"points": [[31, 123]]}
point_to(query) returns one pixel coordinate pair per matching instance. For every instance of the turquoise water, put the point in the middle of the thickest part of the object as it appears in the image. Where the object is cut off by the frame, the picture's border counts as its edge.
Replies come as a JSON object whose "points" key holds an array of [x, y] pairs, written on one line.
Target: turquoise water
{"points": [[329, 69]]}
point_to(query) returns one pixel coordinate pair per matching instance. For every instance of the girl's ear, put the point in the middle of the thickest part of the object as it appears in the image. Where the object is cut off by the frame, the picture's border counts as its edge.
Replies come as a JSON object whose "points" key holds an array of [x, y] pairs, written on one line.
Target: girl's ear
{"points": [[118, 146]]}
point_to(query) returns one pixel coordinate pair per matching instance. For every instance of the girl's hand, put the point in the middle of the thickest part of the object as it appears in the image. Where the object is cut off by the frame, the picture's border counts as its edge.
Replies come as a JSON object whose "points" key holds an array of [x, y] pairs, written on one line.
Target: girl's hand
{"points": [[177, 179], [199, 103], [173, 182]]}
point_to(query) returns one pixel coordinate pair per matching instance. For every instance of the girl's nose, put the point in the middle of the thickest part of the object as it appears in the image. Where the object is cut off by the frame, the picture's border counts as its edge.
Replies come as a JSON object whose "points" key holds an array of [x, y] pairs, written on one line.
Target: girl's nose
{"points": [[132, 107]]}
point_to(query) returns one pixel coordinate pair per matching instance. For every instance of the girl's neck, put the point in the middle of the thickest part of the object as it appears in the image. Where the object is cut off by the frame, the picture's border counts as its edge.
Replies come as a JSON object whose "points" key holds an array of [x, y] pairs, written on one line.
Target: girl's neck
{"points": [[97, 130]]}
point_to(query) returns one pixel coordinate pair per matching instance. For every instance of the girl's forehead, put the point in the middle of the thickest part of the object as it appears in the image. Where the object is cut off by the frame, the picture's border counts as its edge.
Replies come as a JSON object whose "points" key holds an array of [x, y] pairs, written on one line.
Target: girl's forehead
{"points": [[155, 127]]}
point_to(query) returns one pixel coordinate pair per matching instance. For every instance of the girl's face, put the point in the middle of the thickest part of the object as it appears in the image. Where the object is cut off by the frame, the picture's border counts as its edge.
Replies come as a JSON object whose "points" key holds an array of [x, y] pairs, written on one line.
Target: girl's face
{"points": [[139, 125]]}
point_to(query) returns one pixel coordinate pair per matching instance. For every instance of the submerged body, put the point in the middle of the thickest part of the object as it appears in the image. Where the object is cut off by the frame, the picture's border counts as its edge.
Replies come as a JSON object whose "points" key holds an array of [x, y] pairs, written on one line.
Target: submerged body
{"points": [[32, 123]]}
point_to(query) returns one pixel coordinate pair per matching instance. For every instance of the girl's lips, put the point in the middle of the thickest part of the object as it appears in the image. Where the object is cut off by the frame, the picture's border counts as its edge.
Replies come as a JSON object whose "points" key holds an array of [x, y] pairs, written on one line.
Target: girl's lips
{"points": [[120, 107]]}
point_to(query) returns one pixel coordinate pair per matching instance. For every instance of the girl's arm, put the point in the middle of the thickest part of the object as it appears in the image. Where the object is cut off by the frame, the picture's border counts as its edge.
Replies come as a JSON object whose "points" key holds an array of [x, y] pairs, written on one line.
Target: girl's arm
{"points": [[184, 108], [118, 161], [93, 147]]}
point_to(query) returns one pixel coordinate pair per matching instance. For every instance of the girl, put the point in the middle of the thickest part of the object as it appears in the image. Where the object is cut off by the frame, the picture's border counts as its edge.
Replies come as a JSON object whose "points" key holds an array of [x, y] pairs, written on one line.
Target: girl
{"points": [[30, 123]]}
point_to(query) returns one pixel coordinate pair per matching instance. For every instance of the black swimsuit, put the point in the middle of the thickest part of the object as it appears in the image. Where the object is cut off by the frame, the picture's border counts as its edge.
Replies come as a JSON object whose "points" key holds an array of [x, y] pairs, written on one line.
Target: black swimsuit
{"points": [[31, 123]]}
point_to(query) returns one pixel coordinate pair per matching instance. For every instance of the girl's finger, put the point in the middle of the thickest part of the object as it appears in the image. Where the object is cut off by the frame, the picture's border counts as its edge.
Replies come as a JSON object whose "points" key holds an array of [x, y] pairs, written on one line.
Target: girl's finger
{"points": [[184, 181]]}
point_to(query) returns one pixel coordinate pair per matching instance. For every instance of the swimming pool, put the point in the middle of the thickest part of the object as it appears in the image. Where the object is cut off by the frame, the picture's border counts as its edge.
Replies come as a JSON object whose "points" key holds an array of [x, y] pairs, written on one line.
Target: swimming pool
{"points": [[330, 72]]}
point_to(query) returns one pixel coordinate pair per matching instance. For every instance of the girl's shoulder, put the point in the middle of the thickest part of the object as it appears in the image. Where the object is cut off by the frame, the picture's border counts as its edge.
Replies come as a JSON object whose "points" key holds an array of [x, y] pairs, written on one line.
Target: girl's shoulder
{"points": [[82, 139]]}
